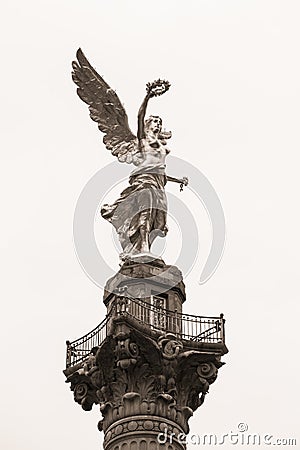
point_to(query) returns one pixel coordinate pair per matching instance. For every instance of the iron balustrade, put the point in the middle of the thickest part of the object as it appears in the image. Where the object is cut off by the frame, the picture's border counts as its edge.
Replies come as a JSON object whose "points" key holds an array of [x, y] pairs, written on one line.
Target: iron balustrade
{"points": [[183, 326], [79, 350], [151, 319]]}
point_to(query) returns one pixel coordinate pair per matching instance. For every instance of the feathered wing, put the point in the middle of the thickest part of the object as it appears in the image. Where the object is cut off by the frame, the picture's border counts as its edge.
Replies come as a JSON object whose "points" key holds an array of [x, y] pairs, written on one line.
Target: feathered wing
{"points": [[107, 110]]}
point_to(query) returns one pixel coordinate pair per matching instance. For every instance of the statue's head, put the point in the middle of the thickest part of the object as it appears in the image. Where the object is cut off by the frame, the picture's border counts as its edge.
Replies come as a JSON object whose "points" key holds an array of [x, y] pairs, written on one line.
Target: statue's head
{"points": [[153, 124]]}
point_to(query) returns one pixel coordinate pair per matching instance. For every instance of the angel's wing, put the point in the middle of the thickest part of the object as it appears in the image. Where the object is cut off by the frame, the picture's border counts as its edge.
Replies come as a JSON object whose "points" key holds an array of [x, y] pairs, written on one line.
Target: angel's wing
{"points": [[107, 110]]}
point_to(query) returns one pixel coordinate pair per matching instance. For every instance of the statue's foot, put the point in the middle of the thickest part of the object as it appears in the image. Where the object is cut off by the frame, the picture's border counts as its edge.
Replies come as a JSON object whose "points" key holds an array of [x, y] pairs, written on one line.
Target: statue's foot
{"points": [[144, 257]]}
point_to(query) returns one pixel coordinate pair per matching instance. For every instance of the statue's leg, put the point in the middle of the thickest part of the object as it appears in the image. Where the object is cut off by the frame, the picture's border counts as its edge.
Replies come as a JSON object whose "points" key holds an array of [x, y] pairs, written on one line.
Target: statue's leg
{"points": [[144, 231], [145, 220]]}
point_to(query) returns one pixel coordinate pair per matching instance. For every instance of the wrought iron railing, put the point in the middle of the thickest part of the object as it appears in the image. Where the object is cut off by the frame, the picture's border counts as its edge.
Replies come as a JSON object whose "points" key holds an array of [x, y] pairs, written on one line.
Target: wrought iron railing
{"points": [[78, 350], [151, 319], [184, 326]]}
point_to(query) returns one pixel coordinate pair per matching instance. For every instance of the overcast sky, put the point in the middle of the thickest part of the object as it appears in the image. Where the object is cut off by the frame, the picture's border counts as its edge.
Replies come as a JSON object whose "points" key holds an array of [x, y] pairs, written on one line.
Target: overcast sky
{"points": [[233, 109]]}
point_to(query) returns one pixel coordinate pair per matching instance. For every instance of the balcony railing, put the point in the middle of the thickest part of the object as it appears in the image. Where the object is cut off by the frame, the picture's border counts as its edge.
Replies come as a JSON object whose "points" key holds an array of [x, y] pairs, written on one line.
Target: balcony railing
{"points": [[151, 319], [78, 350]]}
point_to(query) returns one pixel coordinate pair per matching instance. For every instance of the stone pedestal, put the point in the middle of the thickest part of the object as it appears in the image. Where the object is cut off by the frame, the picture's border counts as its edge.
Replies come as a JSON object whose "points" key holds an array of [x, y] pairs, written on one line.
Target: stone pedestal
{"points": [[143, 280]]}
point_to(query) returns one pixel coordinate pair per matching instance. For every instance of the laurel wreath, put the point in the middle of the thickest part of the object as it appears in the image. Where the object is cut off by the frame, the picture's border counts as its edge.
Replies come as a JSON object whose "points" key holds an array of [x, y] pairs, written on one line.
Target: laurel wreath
{"points": [[158, 87]]}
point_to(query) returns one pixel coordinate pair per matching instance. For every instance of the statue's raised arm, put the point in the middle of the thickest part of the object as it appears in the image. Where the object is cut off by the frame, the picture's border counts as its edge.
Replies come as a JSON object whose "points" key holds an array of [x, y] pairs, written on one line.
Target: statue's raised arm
{"points": [[154, 89]]}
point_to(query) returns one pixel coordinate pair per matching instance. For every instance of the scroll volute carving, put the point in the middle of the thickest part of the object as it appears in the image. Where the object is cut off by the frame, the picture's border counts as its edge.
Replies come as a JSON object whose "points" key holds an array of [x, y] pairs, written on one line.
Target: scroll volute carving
{"points": [[195, 381], [85, 387], [170, 346]]}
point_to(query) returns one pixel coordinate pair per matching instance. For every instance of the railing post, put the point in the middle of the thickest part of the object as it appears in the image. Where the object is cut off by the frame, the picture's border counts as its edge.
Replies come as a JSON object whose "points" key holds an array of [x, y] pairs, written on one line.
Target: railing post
{"points": [[69, 354], [222, 328], [176, 320]]}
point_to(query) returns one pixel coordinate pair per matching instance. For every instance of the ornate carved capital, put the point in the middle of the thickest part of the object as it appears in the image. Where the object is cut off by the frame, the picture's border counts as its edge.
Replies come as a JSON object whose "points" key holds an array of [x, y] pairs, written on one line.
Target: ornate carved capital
{"points": [[132, 374]]}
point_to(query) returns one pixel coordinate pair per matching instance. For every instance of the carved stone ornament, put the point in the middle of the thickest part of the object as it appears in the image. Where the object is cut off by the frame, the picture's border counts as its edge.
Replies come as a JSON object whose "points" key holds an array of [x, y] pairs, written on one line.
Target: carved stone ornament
{"points": [[169, 346], [126, 352], [85, 388]]}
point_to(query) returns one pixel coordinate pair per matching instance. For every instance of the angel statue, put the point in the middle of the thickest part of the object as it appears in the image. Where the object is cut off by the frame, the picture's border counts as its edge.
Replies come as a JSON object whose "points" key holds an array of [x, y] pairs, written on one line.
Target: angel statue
{"points": [[139, 214]]}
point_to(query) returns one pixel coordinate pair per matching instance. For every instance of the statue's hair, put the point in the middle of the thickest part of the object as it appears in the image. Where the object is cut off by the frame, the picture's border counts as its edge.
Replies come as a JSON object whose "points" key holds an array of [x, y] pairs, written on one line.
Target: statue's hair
{"points": [[163, 134], [150, 118]]}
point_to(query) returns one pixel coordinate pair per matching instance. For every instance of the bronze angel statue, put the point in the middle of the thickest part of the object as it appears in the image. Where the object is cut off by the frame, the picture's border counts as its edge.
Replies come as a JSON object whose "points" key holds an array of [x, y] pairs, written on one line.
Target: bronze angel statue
{"points": [[139, 214]]}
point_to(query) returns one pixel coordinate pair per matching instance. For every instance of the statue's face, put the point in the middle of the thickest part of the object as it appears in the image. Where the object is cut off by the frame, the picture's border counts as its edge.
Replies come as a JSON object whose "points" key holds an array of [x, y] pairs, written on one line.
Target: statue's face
{"points": [[154, 125]]}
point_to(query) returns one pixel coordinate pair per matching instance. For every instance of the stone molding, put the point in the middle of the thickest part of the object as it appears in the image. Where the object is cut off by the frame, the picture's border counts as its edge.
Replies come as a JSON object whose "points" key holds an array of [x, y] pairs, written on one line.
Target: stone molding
{"points": [[142, 428]]}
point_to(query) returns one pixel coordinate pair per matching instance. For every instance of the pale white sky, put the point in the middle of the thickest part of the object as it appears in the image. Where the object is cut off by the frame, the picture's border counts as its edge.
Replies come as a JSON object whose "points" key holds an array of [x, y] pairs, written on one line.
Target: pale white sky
{"points": [[233, 109]]}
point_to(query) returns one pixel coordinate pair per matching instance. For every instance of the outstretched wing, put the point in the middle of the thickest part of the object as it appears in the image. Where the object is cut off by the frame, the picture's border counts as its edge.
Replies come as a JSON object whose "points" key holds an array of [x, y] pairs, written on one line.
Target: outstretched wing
{"points": [[105, 109]]}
